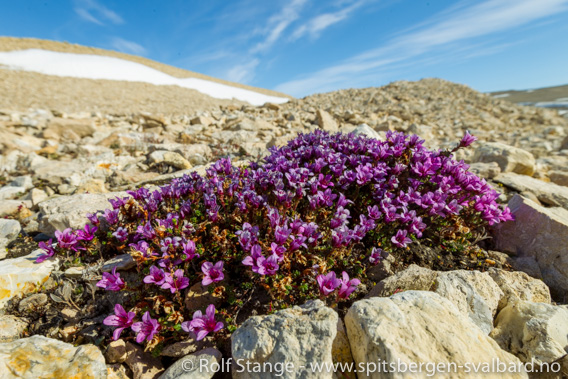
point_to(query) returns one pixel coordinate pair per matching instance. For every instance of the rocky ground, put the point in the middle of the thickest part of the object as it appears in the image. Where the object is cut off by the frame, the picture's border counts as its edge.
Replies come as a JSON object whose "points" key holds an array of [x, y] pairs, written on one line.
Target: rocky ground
{"points": [[56, 166]]}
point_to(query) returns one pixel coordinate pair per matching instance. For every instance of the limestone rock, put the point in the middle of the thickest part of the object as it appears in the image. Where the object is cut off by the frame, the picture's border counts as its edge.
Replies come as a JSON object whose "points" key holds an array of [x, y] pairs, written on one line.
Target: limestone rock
{"points": [[301, 335], [61, 127], [11, 192], [194, 366], [367, 131], [11, 328], [143, 365], [533, 331], [547, 193], [509, 158], [487, 170], [116, 352], [559, 177], [170, 158], [42, 357], [473, 293], [22, 275], [418, 326], [24, 181], [547, 243], [326, 122], [9, 229], [122, 262], [519, 286], [70, 211]]}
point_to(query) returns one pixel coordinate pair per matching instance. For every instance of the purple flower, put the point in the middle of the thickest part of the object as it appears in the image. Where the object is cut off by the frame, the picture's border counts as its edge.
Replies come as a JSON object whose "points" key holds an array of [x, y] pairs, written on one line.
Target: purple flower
{"points": [[328, 283], [49, 251], [376, 256], [121, 234], [157, 276], [212, 273], [111, 216], [268, 266], [400, 239], [93, 218], [121, 318], [146, 328], [189, 250], [175, 282], [111, 281], [88, 233], [146, 231], [467, 140], [203, 325], [347, 286], [256, 253], [67, 240]]}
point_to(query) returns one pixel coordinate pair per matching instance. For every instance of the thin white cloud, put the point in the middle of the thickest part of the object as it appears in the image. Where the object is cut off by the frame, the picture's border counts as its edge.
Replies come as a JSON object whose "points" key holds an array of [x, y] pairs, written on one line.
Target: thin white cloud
{"points": [[126, 46], [321, 22], [277, 24], [242, 73], [457, 25], [93, 11]]}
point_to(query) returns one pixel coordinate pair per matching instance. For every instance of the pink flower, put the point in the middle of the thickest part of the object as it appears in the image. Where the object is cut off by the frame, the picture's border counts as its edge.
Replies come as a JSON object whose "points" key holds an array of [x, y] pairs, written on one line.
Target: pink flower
{"points": [[328, 283], [120, 318], [347, 286], [67, 240], [212, 273], [111, 281], [467, 140], [176, 281], [147, 328], [49, 251], [203, 325], [400, 239], [157, 276]]}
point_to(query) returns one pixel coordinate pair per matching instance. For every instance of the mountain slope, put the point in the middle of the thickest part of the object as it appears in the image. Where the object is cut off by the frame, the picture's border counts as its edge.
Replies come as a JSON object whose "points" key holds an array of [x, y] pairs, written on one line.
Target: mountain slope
{"points": [[24, 89]]}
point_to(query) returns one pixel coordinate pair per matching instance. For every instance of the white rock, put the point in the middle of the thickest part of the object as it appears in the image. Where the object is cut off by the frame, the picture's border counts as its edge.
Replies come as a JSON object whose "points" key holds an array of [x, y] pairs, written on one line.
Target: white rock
{"points": [[418, 326], [70, 211], [509, 158], [22, 275], [547, 193], [301, 335], [42, 357], [11, 192], [517, 286], [547, 243], [366, 130], [22, 181], [200, 365], [9, 229], [474, 293], [11, 328], [533, 331]]}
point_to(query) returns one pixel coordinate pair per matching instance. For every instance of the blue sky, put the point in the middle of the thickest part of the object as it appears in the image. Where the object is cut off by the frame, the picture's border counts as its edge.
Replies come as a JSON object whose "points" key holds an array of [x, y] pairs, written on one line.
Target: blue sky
{"points": [[302, 47]]}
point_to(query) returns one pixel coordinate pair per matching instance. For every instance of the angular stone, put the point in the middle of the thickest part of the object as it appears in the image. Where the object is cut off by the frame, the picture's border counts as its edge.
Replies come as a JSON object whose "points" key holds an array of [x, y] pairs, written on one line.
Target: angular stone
{"points": [[487, 170], [22, 181], [199, 365], [301, 335], [418, 326], [326, 122], [9, 229], [547, 193], [143, 365], [116, 352], [60, 127], [22, 275], [11, 192], [509, 158], [170, 158], [533, 331], [122, 262], [547, 243], [42, 357], [11, 328], [559, 177], [519, 286], [70, 211], [367, 131], [474, 293]]}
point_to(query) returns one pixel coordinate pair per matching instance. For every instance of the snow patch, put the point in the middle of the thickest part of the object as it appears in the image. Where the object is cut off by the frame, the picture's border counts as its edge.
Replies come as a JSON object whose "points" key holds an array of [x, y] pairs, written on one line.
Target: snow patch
{"points": [[87, 66]]}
